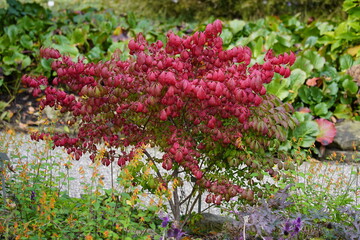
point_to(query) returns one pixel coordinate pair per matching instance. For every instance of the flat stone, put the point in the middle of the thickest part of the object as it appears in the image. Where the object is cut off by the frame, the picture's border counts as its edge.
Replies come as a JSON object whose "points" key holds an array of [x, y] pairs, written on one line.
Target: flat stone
{"points": [[347, 136], [212, 223]]}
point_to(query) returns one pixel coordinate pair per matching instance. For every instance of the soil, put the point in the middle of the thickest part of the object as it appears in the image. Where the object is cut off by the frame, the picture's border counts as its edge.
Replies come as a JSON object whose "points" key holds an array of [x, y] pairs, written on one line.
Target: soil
{"points": [[23, 112]]}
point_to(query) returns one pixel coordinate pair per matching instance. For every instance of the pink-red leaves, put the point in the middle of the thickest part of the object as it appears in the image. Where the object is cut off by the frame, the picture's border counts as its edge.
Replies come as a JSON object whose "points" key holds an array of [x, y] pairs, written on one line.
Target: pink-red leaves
{"points": [[327, 131], [185, 98]]}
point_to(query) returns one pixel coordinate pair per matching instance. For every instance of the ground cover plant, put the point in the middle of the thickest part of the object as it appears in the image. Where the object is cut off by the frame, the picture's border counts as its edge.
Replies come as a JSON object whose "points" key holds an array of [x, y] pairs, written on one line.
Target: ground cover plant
{"points": [[319, 201]]}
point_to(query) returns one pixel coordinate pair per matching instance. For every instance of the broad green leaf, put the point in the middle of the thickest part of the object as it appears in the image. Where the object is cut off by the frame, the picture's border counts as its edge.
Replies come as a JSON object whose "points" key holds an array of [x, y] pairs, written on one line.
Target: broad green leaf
{"points": [[303, 64], [79, 36], [12, 31], [331, 89], [60, 40], [279, 87], [25, 62], [349, 36], [117, 45], [46, 64], [270, 40], [236, 25], [285, 40], [305, 94], [67, 49], [346, 62], [306, 133], [316, 94], [316, 60], [95, 53], [297, 79], [310, 41], [350, 86], [336, 44], [324, 27], [343, 111], [26, 42], [321, 109], [258, 47], [329, 71], [227, 36], [341, 28]]}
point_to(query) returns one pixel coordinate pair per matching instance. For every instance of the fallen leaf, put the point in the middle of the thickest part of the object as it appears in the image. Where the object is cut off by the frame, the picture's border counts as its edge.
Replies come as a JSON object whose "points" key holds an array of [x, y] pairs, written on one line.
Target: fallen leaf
{"points": [[31, 110]]}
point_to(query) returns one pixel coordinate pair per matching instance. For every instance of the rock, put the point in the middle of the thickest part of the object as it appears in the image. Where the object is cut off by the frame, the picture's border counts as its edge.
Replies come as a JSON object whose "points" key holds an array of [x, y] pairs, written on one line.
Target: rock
{"points": [[347, 135], [341, 156], [212, 223], [354, 71]]}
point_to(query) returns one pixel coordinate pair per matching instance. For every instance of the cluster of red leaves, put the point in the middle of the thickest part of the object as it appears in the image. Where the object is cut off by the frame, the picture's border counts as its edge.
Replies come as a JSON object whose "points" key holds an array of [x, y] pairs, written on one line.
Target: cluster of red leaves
{"points": [[182, 97]]}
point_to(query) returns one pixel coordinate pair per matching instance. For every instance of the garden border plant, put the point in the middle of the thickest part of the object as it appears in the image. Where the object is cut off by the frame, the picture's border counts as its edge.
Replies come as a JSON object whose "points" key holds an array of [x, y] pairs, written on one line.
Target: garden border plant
{"points": [[204, 107]]}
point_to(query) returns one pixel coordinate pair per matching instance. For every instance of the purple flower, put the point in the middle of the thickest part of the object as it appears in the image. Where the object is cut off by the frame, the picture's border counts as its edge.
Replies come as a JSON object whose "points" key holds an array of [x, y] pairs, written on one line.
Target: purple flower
{"points": [[292, 227], [175, 233], [165, 219], [32, 196]]}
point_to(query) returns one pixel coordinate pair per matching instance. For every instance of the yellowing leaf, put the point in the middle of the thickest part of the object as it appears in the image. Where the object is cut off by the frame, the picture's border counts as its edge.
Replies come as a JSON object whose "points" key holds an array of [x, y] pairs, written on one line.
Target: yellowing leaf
{"points": [[117, 31], [353, 51]]}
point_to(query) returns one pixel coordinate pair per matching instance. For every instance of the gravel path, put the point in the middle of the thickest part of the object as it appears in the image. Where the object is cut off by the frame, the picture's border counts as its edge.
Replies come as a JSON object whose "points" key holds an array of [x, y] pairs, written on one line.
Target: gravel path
{"points": [[342, 175]]}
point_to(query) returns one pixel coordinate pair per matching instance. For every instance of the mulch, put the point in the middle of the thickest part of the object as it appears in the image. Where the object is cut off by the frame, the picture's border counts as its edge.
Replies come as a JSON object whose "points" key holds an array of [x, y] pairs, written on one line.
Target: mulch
{"points": [[23, 112]]}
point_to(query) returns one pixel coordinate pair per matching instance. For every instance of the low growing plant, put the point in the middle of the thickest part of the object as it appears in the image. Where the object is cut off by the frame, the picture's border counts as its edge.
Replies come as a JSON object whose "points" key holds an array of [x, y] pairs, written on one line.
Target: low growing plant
{"points": [[39, 206]]}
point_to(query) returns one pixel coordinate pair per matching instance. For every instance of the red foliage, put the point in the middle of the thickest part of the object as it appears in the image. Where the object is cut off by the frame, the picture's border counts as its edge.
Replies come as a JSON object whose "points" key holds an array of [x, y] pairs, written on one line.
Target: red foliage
{"points": [[184, 97]]}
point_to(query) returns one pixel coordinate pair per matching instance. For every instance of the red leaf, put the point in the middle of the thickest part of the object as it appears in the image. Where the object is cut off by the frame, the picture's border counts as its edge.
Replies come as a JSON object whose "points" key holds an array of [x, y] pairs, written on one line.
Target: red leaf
{"points": [[327, 131]]}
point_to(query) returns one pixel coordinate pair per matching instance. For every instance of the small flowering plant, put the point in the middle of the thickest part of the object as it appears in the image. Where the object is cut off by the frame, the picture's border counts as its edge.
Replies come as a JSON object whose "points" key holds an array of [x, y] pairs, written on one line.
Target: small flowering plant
{"points": [[292, 228], [204, 107], [171, 232]]}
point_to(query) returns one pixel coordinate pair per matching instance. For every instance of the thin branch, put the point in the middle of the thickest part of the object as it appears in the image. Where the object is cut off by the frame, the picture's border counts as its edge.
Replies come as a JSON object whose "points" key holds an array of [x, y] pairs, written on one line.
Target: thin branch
{"points": [[191, 208]]}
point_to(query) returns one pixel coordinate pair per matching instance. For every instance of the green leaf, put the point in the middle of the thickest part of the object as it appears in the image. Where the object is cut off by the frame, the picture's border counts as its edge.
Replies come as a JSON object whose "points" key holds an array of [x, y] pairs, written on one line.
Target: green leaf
{"points": [[46, 64], [305, 94], [310, 41], [79, 36], [236, 25], [131, 20], [316, 94], [26, 42], [341, 28], [324, 27], [12, 31], [258, 47], [285, 40], [329, 71], [350, 86], [270, 40], [297, 79], [346, 62], [306, 133], [227, 36], [117, 45], [303, 64], [343, 111], [67, 49], [316, 60], [95, 53], [321, 109], [278, 87], [331, 89]]}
